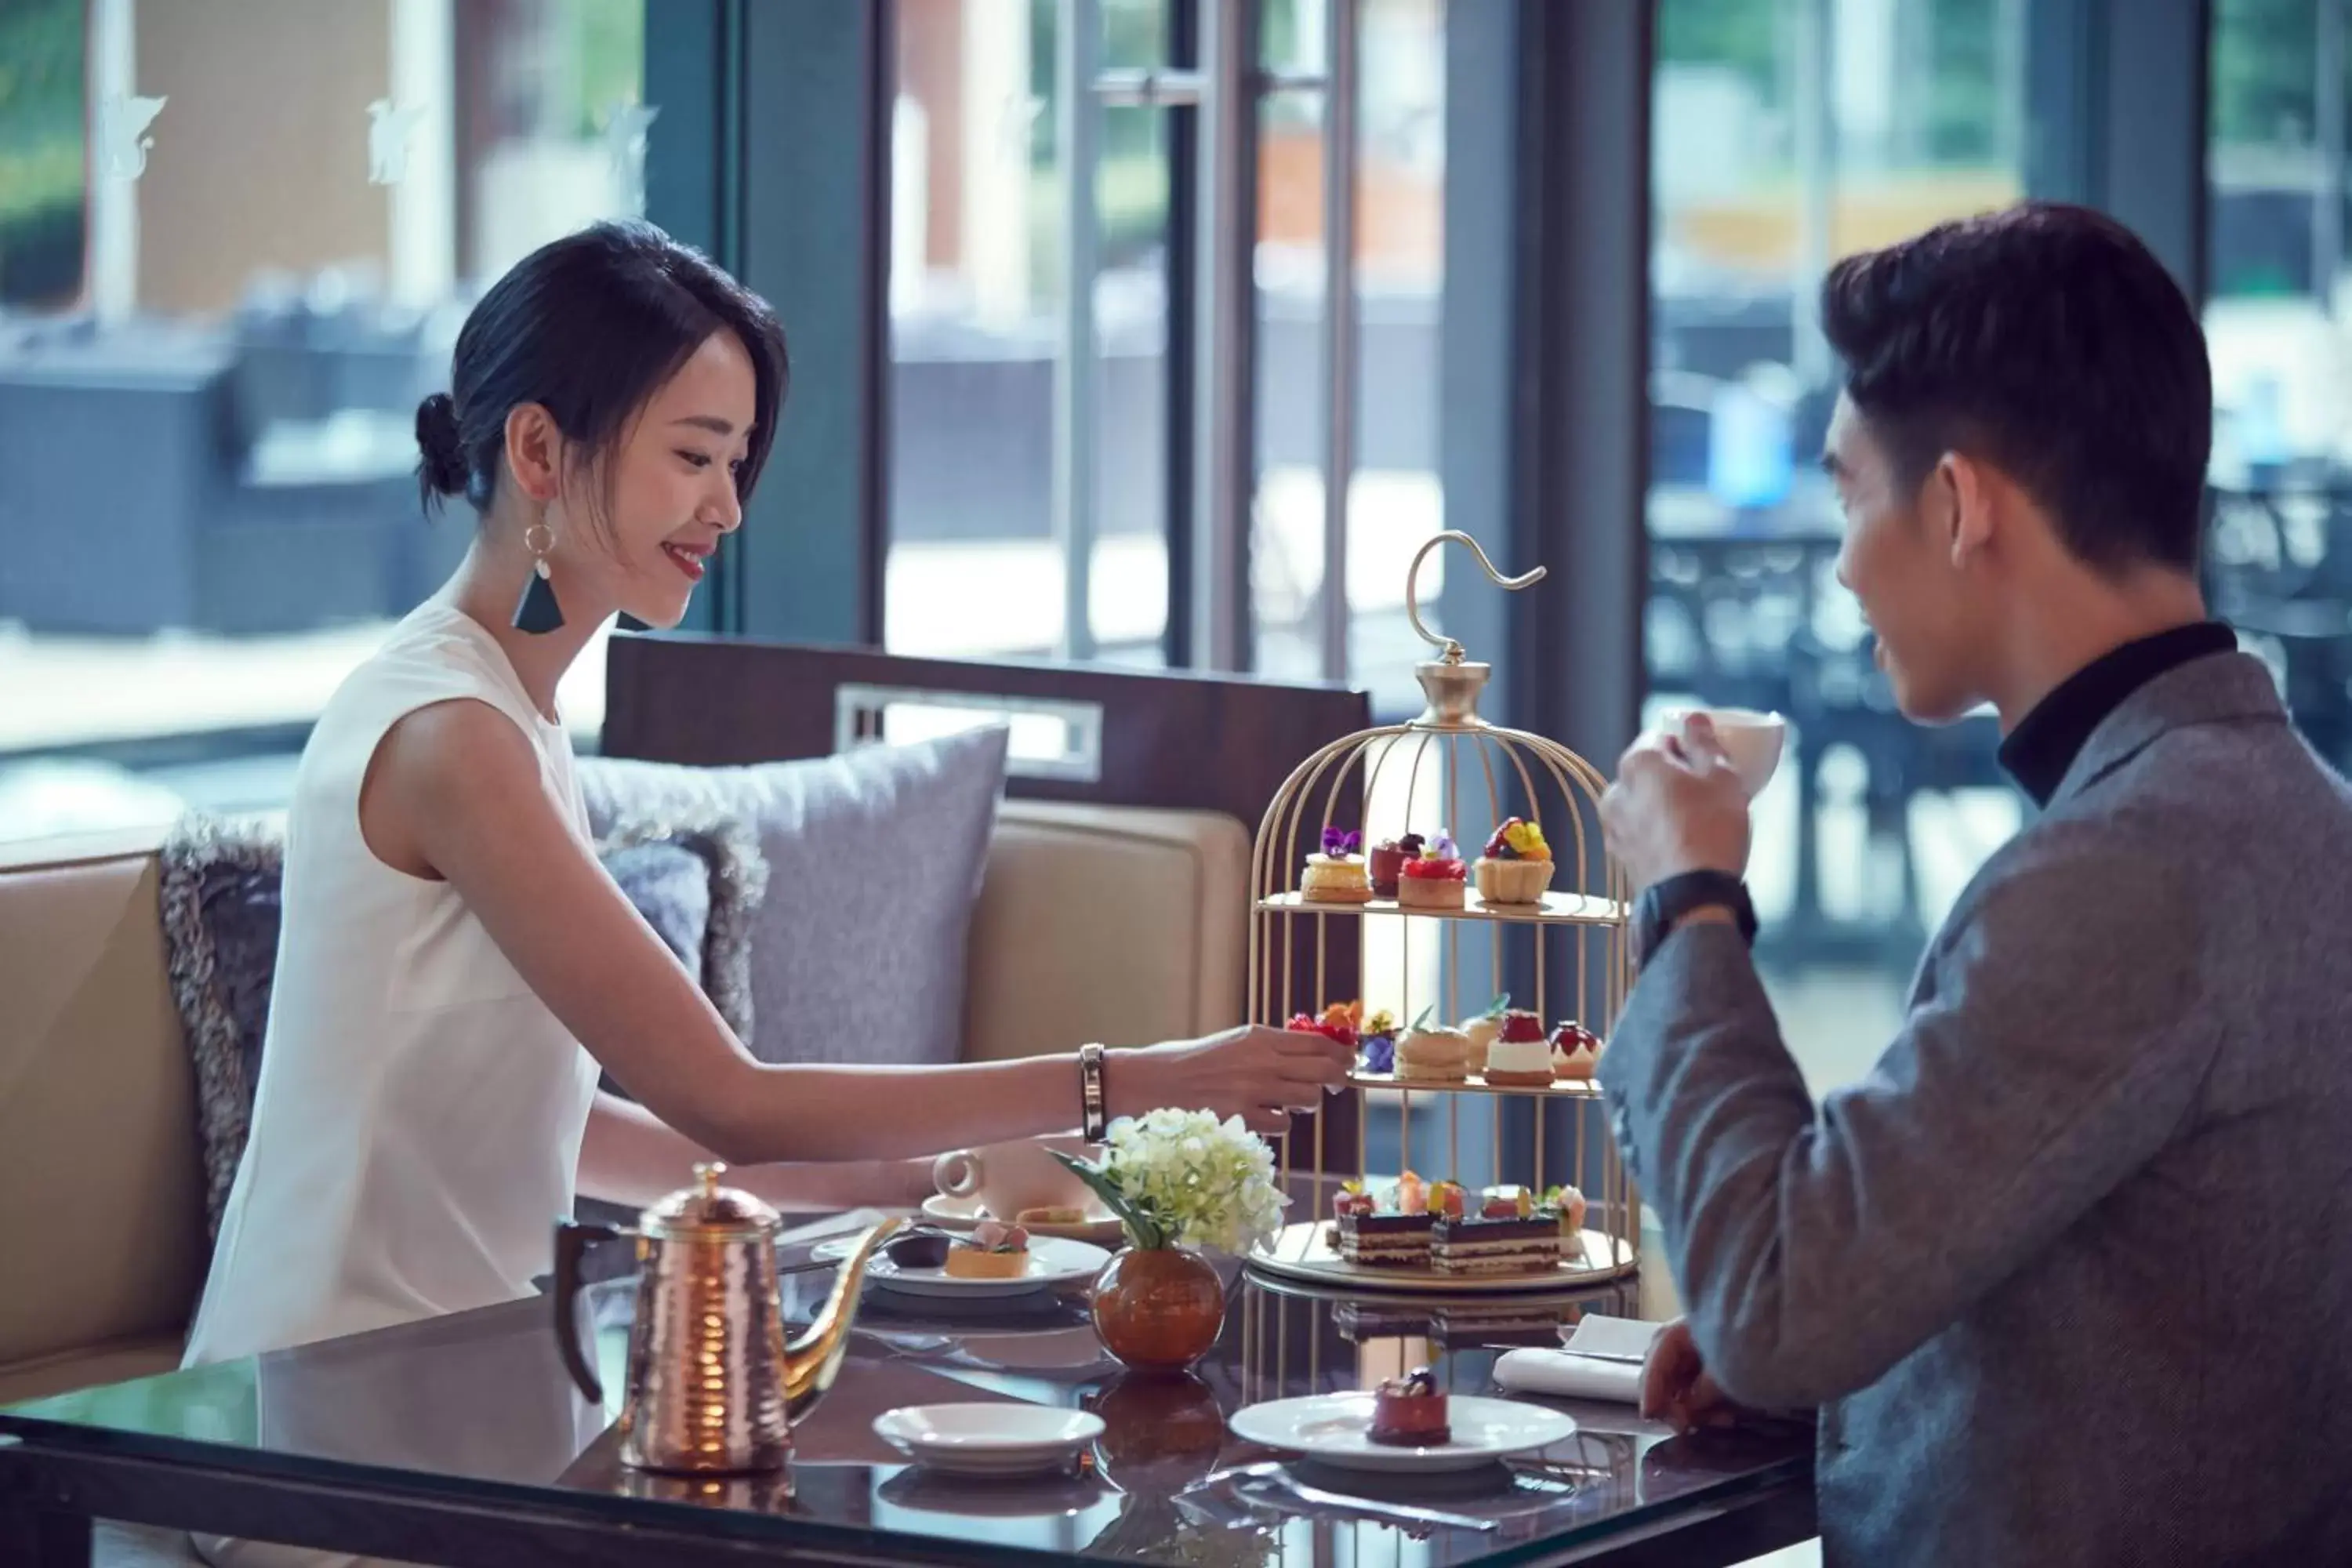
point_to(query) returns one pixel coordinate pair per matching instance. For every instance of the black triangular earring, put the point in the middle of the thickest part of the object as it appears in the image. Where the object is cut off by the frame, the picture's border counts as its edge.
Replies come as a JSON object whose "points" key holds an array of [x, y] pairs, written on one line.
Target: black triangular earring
{"points": [[537, 612]]}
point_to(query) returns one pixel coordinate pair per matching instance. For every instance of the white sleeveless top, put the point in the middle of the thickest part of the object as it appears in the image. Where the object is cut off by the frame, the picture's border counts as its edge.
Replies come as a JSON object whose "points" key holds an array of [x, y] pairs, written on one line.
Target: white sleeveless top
{"points": [[417, 1128]]}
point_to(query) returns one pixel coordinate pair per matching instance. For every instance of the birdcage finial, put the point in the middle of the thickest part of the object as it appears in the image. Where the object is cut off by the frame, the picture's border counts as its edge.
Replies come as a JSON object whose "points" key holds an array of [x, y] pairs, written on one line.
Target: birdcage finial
{"points": [[1451, 682]]}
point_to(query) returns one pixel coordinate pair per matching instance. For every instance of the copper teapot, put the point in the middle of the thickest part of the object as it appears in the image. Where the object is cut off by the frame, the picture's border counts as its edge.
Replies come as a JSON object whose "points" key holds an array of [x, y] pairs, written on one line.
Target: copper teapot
{"points": [[713, 1387]]}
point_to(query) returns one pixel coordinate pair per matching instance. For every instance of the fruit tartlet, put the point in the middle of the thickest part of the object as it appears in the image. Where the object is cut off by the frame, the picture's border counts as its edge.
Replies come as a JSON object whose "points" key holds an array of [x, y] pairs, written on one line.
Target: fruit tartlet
{"points": [[1516, 866], [994, 1251], [1436, 879]]}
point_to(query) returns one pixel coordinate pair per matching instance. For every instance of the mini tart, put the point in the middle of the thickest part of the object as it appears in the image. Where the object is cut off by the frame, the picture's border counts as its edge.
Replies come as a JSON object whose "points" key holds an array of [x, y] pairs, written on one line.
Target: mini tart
{"points": [[995, 1250], [1512, 881], [1335, 879], [1519, 1063], [1433, 1056], [1430, 883]]}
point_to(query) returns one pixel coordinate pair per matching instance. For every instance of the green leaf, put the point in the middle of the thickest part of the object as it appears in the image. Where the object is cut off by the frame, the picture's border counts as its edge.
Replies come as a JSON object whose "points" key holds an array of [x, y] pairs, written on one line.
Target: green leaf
{"points": [[1423, 1021], [1144, 1228]]}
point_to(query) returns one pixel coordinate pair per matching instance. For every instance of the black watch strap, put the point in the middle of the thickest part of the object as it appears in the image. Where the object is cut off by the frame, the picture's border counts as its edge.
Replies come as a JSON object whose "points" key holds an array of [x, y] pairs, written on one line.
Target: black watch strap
{"points": [[1663, 902]]}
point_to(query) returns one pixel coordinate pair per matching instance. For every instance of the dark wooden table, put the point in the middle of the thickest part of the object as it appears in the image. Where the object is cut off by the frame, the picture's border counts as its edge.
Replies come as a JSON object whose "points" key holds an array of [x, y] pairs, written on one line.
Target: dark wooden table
{"points": [[461, 1441]]}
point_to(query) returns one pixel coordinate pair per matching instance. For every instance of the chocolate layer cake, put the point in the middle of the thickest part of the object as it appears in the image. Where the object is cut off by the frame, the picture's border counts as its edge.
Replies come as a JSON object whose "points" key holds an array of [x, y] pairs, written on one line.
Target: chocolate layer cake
{"points": [[1389, 1240], [1480, 1245]]}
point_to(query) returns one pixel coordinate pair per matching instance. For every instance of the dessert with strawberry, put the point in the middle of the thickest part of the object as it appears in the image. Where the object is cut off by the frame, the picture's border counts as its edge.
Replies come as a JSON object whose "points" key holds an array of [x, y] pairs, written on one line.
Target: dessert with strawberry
{"points": [[1436, 879], [1410, 1413], [1336, 875], [1516, 866], [1388, 859], [1575, 1051], [1520, 1057]]}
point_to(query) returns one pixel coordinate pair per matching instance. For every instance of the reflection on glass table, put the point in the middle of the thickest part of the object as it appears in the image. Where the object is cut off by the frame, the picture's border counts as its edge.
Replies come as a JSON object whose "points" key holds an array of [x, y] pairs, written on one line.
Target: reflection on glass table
{"points": [[460, 1438]]}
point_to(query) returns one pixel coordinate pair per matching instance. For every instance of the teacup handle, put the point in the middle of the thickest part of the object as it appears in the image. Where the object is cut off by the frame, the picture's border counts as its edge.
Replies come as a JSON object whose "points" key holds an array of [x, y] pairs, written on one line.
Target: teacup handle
{"points": [[957, 1173]]}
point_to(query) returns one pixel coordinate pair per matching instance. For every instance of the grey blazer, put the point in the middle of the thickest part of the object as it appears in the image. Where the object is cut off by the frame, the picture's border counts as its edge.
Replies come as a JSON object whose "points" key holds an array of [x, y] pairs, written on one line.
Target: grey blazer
{"points": [[2069, 1275]]}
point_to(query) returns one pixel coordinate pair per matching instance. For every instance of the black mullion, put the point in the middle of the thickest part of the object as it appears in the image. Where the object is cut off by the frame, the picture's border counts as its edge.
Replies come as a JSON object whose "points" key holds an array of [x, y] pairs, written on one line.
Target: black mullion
{"points": [[1183, 267]]}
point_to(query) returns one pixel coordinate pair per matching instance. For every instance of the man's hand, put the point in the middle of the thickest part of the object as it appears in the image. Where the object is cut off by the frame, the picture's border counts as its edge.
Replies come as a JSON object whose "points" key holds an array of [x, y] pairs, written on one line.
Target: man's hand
{"points": [[1676, 806], [1676, 1387]]}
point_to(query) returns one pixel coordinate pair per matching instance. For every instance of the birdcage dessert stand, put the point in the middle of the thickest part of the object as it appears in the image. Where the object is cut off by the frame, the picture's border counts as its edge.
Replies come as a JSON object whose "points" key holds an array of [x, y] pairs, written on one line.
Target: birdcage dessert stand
{"points": [[1458, 771]]}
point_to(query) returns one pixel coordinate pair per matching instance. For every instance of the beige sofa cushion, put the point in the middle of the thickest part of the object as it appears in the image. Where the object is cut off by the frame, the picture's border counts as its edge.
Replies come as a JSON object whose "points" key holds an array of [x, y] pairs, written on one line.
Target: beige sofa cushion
{"points": [[1109, 923], [101, 1185], [1094, 923]]}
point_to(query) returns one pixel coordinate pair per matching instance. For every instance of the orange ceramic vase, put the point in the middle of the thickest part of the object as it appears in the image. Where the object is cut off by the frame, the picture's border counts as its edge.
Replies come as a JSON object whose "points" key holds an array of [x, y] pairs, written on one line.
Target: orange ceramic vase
{"points": [[1158, 1308]]}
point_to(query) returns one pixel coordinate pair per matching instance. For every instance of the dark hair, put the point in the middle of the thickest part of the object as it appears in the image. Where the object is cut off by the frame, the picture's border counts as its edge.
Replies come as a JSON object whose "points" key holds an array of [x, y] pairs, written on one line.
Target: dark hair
{"points": [[590, 326], [2047, 340]]}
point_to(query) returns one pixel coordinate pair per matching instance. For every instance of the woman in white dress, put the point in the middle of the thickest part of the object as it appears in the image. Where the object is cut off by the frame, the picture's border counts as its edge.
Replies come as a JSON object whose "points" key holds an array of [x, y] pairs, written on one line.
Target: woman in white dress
{"points": [[426, 1108]]}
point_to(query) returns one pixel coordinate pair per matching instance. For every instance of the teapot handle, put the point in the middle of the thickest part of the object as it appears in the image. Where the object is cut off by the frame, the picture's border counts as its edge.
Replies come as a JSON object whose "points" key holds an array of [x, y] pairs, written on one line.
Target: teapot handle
{"points": [[572, 1241]]}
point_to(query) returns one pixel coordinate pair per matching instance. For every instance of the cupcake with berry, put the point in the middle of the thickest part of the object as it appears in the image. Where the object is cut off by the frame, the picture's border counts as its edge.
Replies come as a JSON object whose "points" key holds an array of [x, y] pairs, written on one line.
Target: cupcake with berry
{"points": [[1336, 875], [1515, 867], [1436, 879]]}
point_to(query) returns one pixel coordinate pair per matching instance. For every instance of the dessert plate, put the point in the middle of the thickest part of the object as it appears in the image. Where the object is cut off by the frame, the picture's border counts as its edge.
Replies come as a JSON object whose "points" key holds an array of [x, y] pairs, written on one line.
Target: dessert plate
{"points": [[1332, 1429], [988, 1439], [1053, 1262]]}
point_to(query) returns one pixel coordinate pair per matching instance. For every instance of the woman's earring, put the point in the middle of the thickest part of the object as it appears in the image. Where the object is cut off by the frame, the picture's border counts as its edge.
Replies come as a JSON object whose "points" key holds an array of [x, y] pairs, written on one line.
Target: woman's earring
{"points": [[537, 612]]}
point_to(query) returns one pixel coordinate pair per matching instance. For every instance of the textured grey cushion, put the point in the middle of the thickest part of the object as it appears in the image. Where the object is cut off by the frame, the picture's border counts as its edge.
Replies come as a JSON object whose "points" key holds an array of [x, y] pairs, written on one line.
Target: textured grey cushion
{"points": [[874, 863], [695, 882]]}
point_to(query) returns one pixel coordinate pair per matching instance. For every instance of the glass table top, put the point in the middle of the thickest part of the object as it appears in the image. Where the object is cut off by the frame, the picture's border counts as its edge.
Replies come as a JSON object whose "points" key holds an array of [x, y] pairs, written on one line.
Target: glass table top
{"points": [[477, 1407]]}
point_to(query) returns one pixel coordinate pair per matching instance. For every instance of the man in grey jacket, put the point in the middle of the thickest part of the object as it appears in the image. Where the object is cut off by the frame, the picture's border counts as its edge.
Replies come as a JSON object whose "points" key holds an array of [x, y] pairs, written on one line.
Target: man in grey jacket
{"points": [[2068, 1275]]}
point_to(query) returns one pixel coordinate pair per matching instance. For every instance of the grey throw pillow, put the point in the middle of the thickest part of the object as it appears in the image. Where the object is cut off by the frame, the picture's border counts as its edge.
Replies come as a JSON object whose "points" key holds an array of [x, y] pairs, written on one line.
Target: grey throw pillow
{"points": [[695, 884], [874, 862]]}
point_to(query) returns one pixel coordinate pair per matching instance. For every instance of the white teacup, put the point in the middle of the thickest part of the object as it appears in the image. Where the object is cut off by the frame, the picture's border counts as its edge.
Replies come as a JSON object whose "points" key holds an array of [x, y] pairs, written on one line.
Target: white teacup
{"points": [[1008, 1178], [1751, 739]]}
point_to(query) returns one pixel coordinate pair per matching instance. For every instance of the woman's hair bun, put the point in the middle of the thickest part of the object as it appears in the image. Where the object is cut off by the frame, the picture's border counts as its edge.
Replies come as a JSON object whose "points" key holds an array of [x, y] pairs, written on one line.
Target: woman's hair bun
{"points": [[441, 470]]}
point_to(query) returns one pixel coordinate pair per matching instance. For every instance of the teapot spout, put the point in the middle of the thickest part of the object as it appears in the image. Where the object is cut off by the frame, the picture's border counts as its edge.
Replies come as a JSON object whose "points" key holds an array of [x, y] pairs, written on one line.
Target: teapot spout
{"points": [[811, 1363]]}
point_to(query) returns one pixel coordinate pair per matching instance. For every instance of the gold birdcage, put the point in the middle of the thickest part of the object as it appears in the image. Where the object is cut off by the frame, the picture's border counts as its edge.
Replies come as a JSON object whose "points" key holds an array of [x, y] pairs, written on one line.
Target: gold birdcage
{"points": [[1450, 769]]}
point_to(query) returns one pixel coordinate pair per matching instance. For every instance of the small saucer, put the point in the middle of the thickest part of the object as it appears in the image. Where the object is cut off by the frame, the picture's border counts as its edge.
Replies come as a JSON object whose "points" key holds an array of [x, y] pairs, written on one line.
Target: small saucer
{"points": [[988, 1439], [963, 1213]]}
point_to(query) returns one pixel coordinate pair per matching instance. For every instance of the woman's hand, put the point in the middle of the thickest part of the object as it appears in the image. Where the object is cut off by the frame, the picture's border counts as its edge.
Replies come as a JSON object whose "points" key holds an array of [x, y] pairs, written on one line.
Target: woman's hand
{"points": [[1258, 1074]]}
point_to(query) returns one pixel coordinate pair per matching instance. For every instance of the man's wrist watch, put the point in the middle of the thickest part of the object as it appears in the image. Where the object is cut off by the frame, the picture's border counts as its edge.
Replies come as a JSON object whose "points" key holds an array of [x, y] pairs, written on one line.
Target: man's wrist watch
{"points": [[1663, 903], [1094, 1102]]}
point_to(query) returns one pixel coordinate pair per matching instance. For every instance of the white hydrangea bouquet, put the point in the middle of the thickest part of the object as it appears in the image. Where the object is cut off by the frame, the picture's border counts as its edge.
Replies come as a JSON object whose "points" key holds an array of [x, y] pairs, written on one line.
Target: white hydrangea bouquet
{"points": [[1181, 1178]]}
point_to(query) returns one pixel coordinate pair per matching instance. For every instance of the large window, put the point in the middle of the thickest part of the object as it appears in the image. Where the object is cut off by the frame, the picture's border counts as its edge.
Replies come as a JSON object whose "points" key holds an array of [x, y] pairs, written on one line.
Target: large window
{"points": [[236, 240], [1004, 453], [2280, 554], [1790, 132]]}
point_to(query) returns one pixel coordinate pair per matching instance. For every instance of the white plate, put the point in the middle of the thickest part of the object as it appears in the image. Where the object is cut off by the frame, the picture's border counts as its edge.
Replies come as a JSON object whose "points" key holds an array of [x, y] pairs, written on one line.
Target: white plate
{"points": [[1332, 1429], [963, 1213], [1053, 1262], [1300, 1253], [988, 1439]]}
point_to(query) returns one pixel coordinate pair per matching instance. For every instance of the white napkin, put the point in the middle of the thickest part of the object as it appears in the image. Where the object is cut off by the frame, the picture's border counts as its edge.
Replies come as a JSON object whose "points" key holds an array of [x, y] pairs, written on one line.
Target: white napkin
{"points": [[1603, 1361]]}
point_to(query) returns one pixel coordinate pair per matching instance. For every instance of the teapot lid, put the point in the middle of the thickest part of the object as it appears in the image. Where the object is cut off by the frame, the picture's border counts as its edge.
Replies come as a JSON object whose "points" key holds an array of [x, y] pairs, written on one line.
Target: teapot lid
{"points": [[709, 1211]]}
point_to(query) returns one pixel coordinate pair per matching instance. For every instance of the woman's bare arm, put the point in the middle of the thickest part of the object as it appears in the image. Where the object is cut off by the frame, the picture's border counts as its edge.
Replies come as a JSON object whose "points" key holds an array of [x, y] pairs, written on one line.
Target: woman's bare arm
{"points": [[454, 788], [631, 1157]]}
